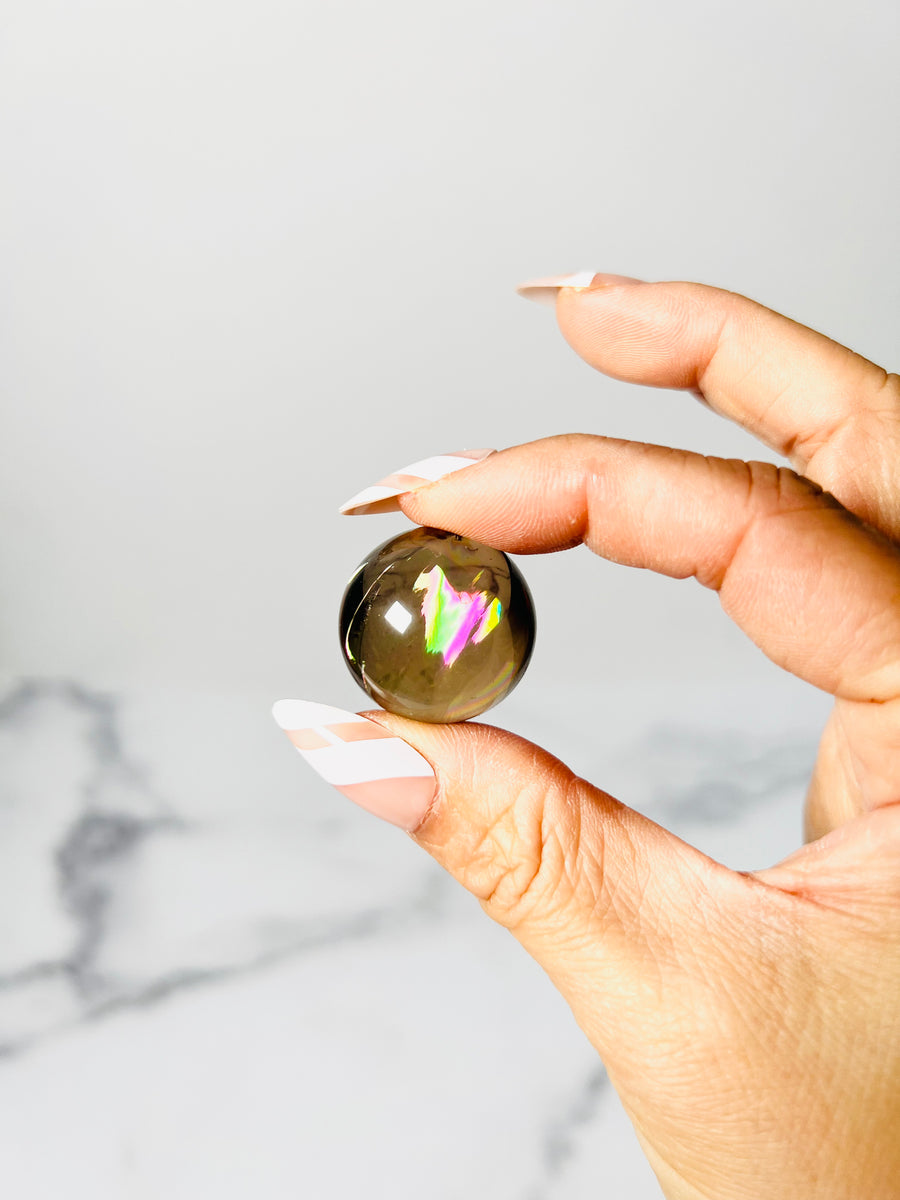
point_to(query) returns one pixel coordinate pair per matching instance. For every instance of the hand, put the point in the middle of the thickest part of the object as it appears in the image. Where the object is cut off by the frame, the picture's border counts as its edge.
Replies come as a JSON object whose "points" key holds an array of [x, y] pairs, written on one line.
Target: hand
{"points": [[749, 1021]]}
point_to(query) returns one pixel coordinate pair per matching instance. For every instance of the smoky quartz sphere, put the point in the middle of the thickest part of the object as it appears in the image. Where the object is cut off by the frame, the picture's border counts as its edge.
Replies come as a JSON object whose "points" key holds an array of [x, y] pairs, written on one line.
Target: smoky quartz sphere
{"points": [[437, 627]]}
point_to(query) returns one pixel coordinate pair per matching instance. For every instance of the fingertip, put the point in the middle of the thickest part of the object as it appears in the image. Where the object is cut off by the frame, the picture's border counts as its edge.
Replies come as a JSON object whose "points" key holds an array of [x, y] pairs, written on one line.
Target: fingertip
{"points": [[656, 334]]}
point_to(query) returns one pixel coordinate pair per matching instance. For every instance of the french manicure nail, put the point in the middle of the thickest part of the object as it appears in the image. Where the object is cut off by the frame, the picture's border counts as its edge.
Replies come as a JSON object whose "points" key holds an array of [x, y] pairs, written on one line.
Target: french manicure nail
{"points": [[370, 765], [382, 496], [545, 291]]}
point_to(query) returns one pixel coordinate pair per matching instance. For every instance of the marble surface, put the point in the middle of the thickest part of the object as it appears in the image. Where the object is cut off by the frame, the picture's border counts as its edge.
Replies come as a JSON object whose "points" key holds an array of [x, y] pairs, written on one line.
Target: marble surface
{"points": [[218, 978]]}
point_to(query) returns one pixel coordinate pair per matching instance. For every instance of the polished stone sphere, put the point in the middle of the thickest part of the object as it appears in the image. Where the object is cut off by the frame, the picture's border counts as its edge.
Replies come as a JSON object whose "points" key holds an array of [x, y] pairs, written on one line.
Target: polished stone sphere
{"points": [[437, 627]]}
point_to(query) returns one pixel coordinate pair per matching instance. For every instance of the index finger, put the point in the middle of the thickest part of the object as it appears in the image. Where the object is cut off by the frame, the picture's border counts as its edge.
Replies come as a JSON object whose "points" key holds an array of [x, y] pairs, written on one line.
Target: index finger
{"points": [[831, 412], [815, 588]]}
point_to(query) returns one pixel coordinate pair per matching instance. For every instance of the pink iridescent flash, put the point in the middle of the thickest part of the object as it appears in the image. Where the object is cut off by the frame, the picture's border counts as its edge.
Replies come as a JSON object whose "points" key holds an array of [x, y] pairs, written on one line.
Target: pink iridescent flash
{"points": [[454, 619]]}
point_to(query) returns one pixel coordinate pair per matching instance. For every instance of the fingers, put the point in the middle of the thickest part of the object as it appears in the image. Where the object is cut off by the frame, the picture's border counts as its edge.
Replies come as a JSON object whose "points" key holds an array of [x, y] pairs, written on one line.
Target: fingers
{"points": [[834, 414], [817, 590], [857, 768], [611, 905]]}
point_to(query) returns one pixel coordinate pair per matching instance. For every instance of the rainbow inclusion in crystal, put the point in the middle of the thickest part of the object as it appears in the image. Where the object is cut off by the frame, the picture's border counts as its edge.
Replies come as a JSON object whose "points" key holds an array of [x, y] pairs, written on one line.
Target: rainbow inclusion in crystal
{"points": [[454, 620], [436, 626]]}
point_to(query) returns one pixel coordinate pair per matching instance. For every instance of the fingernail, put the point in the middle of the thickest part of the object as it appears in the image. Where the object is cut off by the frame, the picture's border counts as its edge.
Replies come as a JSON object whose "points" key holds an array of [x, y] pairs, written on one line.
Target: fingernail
{"points": [[545, 291], [382, 496], [370, 765]]}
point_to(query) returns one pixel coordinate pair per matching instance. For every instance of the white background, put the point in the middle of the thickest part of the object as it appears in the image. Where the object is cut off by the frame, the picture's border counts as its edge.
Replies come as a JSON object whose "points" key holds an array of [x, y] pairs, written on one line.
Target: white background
{"points": [[257, 255]]}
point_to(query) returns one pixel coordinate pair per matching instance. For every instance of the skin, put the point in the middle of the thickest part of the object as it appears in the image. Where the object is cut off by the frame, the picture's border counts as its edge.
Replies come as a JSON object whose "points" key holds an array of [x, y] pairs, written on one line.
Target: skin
{"points": [[749, 1021]]}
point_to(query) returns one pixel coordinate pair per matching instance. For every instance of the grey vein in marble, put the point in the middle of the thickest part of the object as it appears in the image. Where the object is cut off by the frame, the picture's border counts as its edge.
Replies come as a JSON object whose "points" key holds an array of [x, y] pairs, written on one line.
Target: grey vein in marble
{"points": [[709, 776], [115, 891], [77, 809], [559, 1138]]}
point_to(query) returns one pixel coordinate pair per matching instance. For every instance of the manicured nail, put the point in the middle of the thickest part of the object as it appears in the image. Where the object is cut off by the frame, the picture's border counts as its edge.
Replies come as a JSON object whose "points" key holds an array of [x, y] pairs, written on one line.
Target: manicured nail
{"points": [[382, 496], [365, 761], [545, 291]]}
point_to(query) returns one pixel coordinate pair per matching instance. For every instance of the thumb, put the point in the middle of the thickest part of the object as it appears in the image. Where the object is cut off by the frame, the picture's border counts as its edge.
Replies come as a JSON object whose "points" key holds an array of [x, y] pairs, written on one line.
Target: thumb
{"points": [[623, 916]]}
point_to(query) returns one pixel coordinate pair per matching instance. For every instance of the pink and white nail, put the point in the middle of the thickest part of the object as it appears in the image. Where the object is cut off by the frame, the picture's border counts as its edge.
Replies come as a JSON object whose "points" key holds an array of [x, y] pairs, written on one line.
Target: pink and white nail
{"points": [[545, 291], [382, 496], [370, 765]]}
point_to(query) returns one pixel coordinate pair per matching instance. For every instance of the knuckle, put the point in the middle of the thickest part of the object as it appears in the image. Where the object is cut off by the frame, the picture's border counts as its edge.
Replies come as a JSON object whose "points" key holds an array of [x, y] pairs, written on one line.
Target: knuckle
{"points": [[761, 493], [772, 490], [535, 855], [890, 392]]}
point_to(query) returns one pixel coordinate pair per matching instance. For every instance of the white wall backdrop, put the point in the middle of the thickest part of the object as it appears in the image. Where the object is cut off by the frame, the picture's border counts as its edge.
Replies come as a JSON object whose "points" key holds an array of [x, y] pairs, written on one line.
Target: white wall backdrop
{"points": [[256, 255]]}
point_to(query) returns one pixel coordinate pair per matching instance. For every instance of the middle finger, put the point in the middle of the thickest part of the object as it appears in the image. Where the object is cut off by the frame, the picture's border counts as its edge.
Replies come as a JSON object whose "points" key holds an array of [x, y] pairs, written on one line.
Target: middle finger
{"points": [[834, 414]]}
